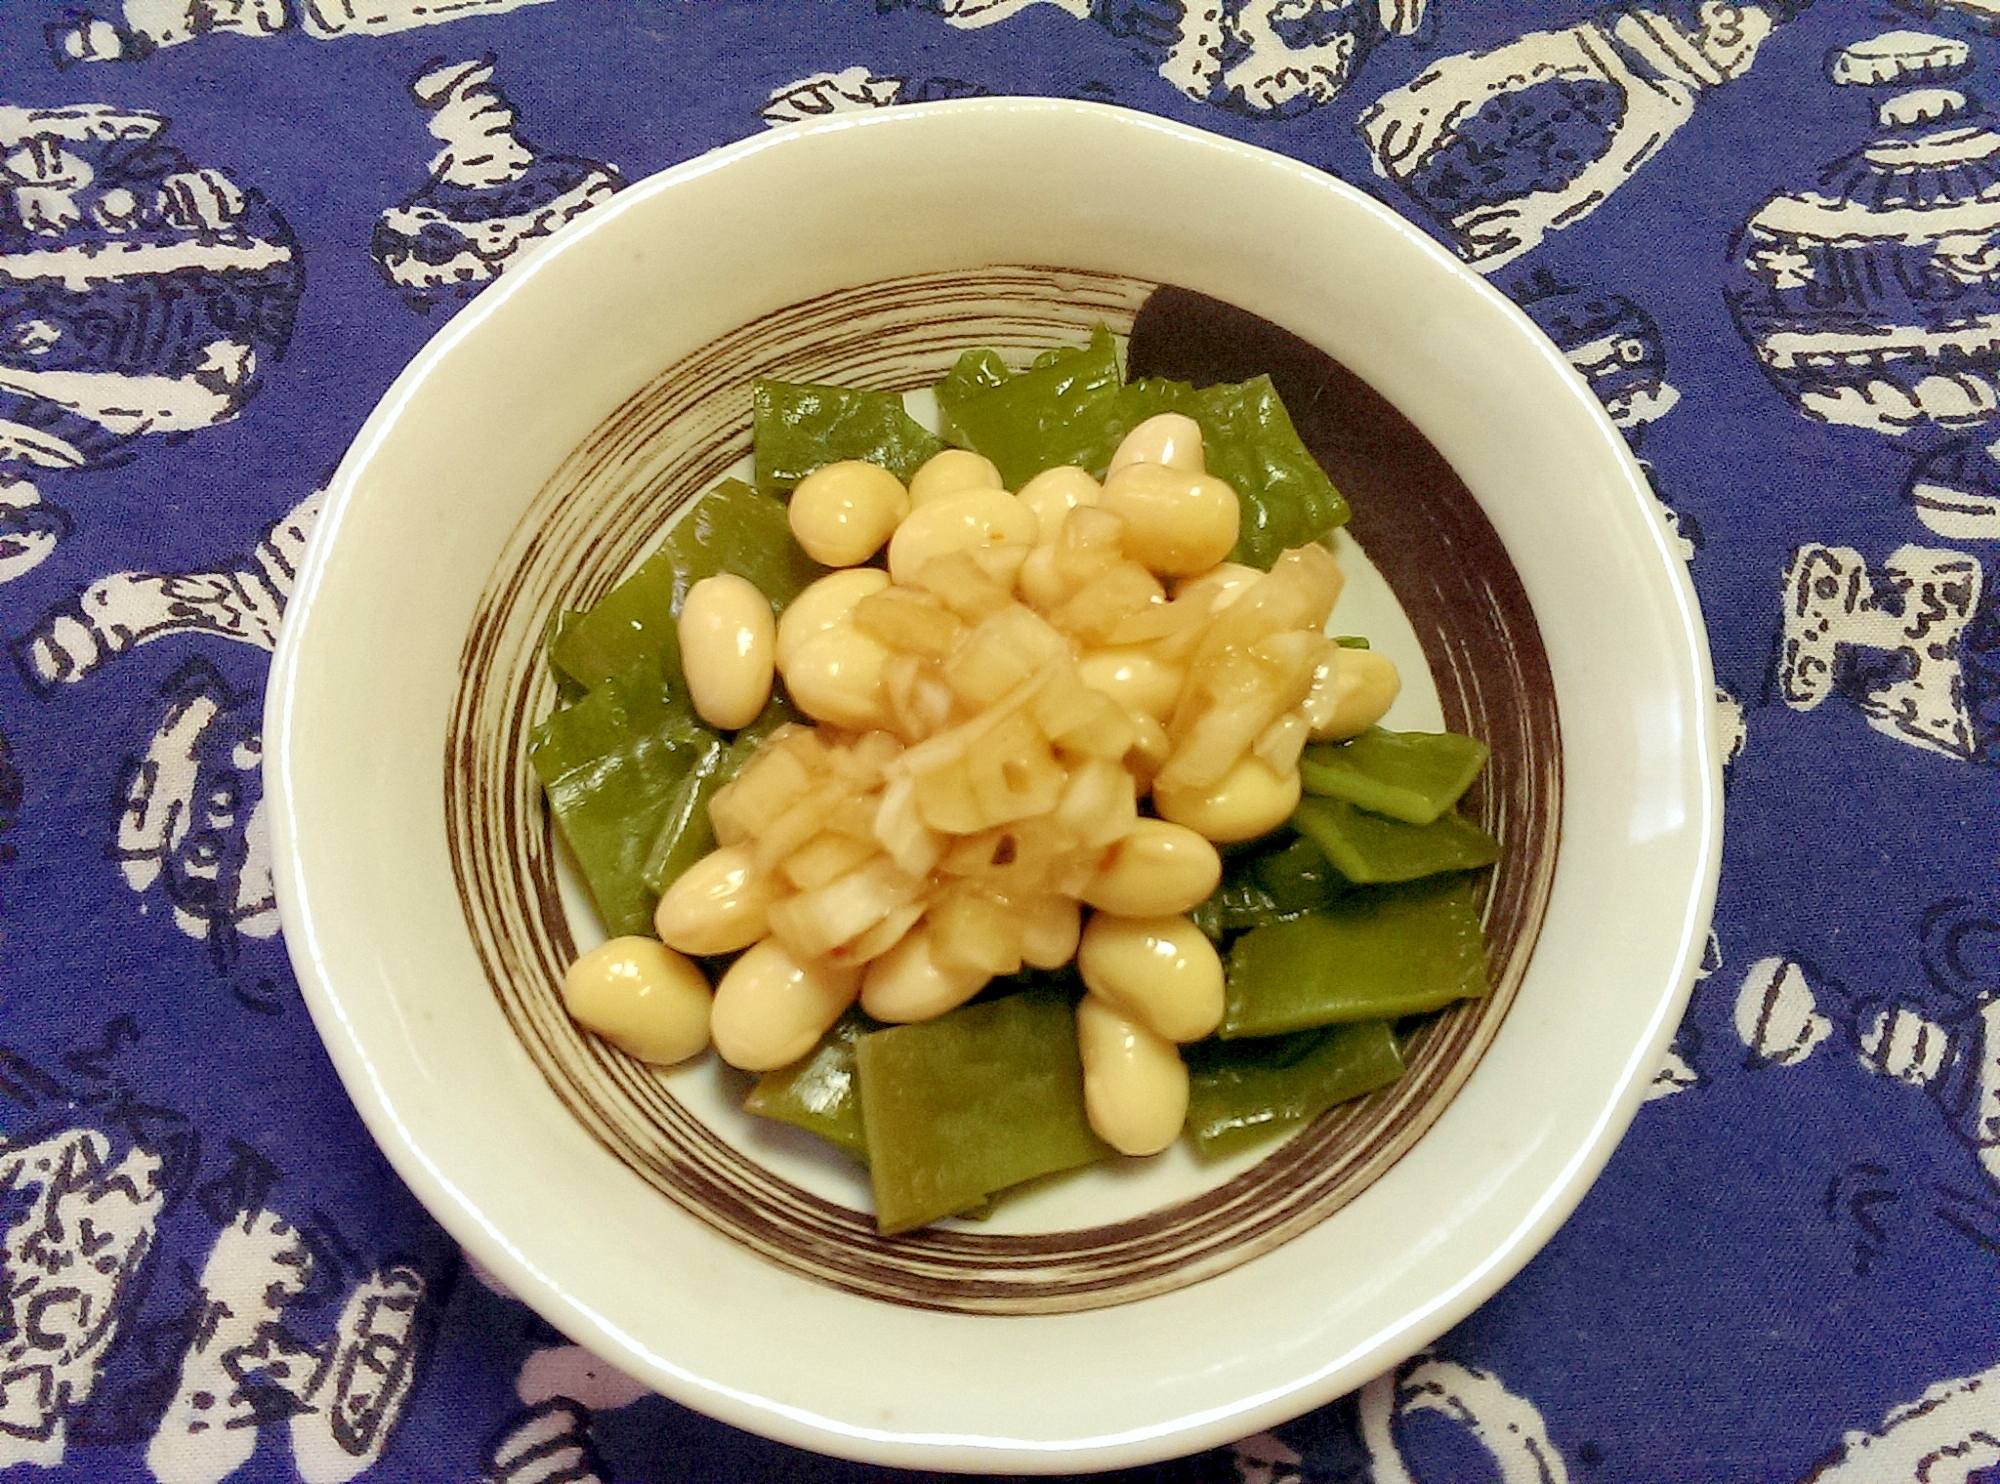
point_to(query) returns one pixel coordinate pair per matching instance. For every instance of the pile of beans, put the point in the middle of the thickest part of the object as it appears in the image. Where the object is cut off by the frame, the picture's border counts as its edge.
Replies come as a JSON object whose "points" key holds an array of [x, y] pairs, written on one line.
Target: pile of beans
{"points": [[888, 661]]}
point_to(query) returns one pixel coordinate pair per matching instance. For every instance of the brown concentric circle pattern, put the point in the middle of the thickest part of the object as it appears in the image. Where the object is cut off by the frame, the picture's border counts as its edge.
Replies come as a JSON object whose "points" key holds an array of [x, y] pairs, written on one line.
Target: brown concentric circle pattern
{"points": [[609, 504]]}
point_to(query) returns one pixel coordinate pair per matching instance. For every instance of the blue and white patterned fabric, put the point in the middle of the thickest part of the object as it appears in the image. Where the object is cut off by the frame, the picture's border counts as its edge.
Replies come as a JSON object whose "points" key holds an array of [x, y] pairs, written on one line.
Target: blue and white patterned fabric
{"points": [[1768, 235]]}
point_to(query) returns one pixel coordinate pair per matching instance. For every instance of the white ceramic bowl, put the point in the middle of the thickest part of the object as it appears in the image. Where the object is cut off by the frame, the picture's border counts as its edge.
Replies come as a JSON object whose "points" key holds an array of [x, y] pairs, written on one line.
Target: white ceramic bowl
{"points": [[394, 607]]}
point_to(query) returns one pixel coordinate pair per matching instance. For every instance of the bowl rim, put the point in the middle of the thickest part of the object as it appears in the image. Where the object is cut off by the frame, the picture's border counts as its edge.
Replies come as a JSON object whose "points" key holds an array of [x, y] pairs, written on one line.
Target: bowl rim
{"points": [[774, 1417]]}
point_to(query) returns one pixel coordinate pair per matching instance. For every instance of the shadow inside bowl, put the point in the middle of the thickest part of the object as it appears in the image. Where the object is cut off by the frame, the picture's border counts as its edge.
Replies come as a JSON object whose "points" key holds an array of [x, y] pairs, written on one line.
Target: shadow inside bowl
{"points": [[608, 506]]}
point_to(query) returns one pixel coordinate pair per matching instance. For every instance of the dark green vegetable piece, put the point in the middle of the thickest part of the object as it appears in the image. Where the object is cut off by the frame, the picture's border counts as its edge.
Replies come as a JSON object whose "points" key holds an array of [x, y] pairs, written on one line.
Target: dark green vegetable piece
{"points": [[616, 763], [818, 1093], [629, 632], [1249, 440], [1240, 902], [737, 529], [596, 725], [1272, 886], [1372, 955], [610, 811], [1064, 412], [1298, 877], [1370, 848], [611, 765], [977, 1100], [618, 714], [569, 689], [1071, 408], [1411, 776], [1057, 353], [732, 528], [799, 427], [974, 371], [686, 834], [1240, 1092]]}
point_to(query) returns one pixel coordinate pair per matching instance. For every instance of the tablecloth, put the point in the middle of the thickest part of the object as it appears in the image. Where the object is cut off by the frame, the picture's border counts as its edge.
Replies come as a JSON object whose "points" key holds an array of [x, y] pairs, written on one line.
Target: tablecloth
{"points": [[1767, 235]]}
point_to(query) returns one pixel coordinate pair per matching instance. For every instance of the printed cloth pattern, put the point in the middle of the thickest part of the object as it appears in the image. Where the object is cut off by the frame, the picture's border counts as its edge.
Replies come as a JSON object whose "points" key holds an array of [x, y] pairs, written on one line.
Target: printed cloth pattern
{"points": [[1768, 236]]}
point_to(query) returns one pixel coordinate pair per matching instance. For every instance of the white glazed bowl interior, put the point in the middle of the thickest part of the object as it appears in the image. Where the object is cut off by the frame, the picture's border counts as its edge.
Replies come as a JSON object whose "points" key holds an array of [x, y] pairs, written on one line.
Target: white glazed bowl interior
{"points": [[369, 664]]}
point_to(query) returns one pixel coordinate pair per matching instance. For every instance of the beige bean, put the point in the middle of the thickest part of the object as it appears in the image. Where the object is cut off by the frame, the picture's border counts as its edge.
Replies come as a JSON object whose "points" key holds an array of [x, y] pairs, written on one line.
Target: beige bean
{"points": [[1176, 521], [1161, 971], [842, 513], [770, 1010], [1135, 1085], [1150, 753], [973, 520], [951, 471], [727, 637], [825, 603], [1041, 579], [642, 997], [907, 984], [1050, 929], [1052, 494], [1170, 438], [1251, 800], [1352, 689], [1157, 869], [836, 676], [1134, 677], [719, 904]]}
